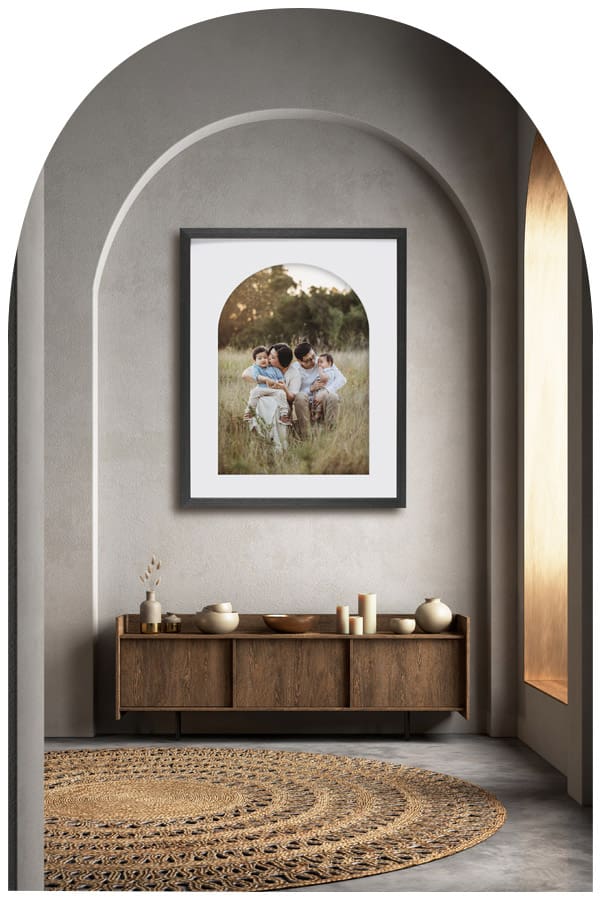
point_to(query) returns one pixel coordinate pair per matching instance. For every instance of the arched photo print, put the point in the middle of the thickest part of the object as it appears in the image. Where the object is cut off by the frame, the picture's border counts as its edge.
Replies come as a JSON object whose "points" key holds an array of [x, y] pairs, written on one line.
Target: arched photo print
{"points": [[293, 367]]}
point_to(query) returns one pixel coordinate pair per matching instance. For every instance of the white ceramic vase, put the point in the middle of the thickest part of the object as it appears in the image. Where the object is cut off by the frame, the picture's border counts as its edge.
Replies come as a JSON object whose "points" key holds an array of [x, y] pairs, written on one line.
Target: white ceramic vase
{"points": [[433, 616], [150, 614]]}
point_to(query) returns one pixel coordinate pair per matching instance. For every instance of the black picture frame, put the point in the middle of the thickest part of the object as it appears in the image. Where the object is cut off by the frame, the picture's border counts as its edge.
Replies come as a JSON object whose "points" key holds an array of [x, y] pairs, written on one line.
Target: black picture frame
{"points": [[193, 499]]}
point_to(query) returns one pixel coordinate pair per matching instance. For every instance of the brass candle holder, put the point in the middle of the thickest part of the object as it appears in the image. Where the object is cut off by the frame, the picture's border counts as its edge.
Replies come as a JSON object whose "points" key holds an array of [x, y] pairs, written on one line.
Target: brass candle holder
{"points": [[172, 623]]}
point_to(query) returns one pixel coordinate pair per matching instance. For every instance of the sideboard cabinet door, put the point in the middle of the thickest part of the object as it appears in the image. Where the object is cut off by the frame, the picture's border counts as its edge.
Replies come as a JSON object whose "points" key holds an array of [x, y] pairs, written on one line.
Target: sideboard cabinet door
{"points": [[415, 674], [289, 674], [161, 673]]}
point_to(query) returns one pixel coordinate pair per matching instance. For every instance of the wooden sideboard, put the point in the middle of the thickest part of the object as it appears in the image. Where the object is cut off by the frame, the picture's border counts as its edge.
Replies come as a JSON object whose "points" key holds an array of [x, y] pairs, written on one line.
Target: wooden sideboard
{"points": [[254, 668]]}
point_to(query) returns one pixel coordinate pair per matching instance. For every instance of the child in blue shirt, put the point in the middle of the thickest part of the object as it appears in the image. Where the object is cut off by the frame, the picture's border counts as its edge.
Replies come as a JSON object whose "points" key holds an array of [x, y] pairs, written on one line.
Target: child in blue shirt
{"points": [[261, 369], [265, 376]]}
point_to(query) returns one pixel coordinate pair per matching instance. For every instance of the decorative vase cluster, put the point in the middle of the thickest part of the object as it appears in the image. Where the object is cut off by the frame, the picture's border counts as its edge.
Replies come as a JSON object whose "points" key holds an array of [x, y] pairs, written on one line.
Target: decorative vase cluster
{"points": [[432, 617]]}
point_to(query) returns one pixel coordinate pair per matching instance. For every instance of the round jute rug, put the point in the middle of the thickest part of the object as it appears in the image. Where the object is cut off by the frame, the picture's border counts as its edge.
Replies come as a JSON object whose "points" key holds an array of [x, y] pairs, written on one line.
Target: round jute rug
{"points": [[205, 819]]}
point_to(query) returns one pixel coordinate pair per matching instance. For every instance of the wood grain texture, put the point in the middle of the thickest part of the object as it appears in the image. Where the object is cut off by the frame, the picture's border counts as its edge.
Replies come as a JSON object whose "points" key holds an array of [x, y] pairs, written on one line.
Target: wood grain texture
{"points": [[163, 673], [557, 689], [292, 674], [411, 675]]}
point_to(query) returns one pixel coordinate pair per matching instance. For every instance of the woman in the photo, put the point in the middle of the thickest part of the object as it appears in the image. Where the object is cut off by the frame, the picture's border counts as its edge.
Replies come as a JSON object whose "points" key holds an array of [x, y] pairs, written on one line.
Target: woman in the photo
{"points": [[267, 419]]}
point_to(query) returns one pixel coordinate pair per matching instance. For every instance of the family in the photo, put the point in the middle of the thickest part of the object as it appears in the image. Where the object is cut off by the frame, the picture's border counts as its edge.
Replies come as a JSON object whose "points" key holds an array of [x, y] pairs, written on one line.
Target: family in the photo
{"points": [[291, 386]]}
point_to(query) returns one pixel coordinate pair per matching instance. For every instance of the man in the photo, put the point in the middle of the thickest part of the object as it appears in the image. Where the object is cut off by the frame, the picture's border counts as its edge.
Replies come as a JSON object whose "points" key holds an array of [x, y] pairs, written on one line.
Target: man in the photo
{"points": [[310, 371]]}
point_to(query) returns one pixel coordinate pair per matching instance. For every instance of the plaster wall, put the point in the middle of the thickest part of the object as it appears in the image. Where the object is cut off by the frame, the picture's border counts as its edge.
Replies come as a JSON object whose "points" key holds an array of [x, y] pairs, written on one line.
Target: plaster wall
{"points": [[428, 142], [27, 731], [322, 173]]}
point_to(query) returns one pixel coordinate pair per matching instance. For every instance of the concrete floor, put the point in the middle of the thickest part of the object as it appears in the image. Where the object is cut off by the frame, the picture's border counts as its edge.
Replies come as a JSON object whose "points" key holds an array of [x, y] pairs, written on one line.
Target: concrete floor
{"points": [[545, 844]]}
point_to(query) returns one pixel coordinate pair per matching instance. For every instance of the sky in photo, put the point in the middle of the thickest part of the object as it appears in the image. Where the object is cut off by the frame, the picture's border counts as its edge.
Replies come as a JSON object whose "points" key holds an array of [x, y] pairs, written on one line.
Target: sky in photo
{"points": [[311, 275]]}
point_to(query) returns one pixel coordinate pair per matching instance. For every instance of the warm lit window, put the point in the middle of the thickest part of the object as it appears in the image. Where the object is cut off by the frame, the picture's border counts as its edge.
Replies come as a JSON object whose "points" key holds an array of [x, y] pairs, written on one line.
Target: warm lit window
{"points": [[545, 427]]}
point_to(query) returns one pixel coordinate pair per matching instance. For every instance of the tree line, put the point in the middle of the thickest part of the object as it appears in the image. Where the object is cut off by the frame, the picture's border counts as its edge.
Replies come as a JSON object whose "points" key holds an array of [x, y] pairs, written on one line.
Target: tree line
{"points": [[271, 306]]}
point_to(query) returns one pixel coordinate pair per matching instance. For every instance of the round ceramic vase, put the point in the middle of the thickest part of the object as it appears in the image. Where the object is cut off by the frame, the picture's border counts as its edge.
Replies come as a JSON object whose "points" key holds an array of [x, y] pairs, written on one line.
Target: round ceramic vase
{"points": [[433, 616]]}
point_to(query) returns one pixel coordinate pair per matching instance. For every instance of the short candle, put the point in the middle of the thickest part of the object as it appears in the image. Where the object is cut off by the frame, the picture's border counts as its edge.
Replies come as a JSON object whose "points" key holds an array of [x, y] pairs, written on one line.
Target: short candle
{"points": [[356, 624]]}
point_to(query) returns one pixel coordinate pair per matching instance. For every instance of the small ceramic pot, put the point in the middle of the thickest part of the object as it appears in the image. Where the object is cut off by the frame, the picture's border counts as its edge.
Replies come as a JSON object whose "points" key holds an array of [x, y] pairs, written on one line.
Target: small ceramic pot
{"points": [[218, 607], [403, 625], [433, 616]]}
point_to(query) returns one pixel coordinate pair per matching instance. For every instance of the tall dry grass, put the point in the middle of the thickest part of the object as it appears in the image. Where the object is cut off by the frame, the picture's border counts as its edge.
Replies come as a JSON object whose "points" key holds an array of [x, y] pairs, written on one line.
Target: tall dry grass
{"points": [[343, 450]]}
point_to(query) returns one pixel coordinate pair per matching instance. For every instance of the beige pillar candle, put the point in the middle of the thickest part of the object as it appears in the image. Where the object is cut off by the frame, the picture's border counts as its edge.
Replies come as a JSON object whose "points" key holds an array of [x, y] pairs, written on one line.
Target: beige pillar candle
{"points": [[356, 624], [367, 608], [342, 617]]}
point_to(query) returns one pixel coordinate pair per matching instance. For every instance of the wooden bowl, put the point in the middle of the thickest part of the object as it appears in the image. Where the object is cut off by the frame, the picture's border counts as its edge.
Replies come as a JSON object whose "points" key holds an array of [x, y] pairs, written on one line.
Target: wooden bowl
{"points": [[290, 624]]}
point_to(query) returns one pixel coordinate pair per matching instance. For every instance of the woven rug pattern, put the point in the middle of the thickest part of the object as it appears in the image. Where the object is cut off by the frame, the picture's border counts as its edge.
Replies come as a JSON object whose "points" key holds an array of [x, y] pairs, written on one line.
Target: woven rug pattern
{"points": [[206, 819]]}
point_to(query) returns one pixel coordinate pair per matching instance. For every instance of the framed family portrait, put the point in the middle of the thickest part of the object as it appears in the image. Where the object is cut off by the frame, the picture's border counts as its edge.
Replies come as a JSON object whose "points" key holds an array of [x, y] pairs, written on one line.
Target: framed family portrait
{"points": [[293, 367]]}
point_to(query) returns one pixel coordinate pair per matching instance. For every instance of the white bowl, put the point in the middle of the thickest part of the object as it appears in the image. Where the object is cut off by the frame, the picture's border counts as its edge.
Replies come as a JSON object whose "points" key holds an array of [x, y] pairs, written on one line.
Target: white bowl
{"points": [[218, 607], [217, 622], [403, 625]]}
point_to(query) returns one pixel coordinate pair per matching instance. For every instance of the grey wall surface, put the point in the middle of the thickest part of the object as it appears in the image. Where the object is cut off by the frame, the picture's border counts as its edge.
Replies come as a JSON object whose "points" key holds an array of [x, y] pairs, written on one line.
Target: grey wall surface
{"points": [[343, 120], [28, 742], [327, 175]]}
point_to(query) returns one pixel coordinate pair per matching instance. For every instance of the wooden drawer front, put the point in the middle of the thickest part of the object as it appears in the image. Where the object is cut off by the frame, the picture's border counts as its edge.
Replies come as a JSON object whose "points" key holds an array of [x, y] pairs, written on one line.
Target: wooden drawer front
{"points": [[412, 674], [289, 674], [174, 673]]}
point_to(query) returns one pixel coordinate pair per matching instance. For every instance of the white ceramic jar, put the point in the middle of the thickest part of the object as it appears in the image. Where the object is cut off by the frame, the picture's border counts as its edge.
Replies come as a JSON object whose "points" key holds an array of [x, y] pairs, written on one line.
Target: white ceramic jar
{"points": [[433, 616]]}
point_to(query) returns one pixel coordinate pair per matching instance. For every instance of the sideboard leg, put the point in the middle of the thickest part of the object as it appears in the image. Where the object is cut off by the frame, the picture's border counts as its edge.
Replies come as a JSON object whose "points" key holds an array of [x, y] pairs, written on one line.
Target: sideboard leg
{"points": [[407, 725], [178, 725]]}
